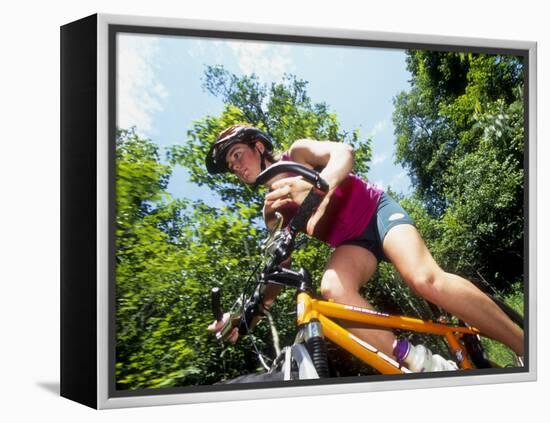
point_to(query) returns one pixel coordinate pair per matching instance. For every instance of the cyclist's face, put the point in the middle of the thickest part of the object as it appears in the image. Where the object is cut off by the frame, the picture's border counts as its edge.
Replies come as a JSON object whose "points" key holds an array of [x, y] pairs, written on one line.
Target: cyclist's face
{"points": [[244, 161]]}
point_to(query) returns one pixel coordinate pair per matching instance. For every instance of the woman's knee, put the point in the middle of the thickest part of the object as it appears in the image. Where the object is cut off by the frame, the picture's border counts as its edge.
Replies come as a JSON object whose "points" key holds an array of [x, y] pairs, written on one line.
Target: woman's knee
{"points": [[331, 286], [348, 268], [426, 283]]}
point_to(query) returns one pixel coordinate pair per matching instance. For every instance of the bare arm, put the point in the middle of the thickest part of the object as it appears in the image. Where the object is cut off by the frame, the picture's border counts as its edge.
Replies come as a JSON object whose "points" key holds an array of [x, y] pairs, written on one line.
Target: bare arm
{"points": [[335, 158]]}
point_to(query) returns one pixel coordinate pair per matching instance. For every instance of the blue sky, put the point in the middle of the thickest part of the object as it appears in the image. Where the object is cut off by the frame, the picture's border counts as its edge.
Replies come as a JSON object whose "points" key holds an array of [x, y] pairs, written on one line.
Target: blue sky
{"points": [[159, 90]]}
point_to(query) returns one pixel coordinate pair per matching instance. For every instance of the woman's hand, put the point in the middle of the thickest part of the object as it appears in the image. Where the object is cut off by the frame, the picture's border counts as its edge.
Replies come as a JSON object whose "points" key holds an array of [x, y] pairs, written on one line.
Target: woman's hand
{"points": [[218, 325], [294, 190], [287, 190]]}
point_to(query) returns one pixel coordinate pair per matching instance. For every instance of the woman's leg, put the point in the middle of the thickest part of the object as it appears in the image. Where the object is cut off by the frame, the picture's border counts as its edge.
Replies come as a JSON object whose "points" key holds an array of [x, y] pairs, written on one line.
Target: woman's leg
{"points": [[407, 251], [348, 268]]}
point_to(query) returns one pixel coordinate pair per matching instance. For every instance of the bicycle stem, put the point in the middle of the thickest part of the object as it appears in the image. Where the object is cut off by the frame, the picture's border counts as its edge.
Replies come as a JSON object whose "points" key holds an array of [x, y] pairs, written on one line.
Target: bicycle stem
{"points": [[300, 280]]}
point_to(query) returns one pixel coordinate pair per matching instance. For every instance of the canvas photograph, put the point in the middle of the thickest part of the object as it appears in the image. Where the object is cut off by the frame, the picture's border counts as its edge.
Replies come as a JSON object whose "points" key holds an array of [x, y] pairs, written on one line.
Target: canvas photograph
{"points": [[294, 211]]}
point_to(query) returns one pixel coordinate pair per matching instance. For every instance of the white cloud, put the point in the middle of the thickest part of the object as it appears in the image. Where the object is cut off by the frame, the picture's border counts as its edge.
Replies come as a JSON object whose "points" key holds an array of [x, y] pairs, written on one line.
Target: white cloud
{"points": [[379, 127], [197, 48], [269, 62], [139, 93], [401, 182], [399, 177], [378, 158]]}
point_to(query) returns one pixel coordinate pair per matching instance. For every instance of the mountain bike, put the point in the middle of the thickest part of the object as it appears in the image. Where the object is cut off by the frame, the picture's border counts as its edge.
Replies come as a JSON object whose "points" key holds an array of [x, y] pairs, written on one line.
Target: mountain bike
{"points": [[319, 320]]}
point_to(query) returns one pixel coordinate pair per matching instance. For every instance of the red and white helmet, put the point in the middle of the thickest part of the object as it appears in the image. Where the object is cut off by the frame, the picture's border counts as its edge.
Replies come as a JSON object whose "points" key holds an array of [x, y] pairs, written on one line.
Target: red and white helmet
{"points": [[215, 159]]}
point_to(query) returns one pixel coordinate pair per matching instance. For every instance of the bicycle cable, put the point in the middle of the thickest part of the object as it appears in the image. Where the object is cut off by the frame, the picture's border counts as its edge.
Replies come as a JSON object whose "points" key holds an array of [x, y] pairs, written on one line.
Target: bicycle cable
{"points": [[243, 309], [302, 241]]}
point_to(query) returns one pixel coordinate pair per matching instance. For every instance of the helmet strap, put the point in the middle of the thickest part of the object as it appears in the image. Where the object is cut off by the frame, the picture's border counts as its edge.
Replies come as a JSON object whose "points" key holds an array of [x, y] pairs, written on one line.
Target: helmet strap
{"points": [[262, 159]]}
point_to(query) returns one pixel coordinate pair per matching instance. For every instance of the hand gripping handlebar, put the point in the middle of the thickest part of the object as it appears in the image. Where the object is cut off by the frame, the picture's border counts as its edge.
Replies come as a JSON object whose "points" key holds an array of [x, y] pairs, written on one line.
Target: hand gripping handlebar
{"points": [[309, 175], [313, 199]]}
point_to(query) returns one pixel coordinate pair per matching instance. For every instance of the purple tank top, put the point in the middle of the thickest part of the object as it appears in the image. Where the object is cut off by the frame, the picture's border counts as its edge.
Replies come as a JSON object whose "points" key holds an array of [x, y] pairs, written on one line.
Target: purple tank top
{"points": [[349, 211]]}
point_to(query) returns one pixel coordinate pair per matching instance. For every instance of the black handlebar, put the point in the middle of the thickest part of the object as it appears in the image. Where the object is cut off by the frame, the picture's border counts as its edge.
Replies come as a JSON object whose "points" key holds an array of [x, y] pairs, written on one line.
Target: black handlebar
{"points": [[283, 167]]}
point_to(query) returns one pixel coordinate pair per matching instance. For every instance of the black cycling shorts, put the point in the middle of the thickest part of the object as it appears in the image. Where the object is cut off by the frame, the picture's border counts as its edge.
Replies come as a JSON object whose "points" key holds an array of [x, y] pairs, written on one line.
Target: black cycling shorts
{"points": [[388, 214]]}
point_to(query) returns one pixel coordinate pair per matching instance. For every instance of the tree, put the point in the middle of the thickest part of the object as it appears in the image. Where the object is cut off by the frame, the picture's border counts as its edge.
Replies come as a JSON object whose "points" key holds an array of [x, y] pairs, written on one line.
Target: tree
{"points": [[460, 134], [170, 253]]}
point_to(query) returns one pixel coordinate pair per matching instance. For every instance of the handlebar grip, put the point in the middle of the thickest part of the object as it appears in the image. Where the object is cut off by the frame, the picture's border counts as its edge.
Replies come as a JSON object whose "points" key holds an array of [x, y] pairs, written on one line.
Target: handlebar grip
{"points": [[216, 309], [282, 167]]}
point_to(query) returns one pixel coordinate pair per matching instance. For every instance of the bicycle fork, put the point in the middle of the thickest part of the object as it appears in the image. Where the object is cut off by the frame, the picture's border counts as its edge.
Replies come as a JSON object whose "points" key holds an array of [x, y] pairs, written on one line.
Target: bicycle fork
{"points": [[311, 335]]}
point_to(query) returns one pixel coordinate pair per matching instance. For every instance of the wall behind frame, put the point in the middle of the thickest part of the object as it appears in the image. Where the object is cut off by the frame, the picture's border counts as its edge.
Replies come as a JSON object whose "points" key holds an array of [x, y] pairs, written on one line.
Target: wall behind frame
{"points": [[30, 216]]}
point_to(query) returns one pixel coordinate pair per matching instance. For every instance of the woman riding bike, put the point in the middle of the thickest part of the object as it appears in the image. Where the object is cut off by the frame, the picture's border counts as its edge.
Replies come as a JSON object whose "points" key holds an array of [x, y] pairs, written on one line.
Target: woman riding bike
{"points": [[364, 226]]}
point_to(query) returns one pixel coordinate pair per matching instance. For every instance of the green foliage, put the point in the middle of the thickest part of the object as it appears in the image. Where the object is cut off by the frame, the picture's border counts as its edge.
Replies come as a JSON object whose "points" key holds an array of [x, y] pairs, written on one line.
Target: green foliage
{"points": [[459, 133], [438, 120], [169, 254]]}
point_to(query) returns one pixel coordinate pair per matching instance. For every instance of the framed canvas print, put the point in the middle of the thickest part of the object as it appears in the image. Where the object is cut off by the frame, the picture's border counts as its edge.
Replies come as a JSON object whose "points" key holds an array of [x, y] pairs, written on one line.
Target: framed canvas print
{"points": [[253, 211]]}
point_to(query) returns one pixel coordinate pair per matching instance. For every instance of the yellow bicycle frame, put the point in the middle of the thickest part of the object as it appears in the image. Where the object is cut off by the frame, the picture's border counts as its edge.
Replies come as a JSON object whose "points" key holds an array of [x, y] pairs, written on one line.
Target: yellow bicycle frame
{"points": [[310, 309]]}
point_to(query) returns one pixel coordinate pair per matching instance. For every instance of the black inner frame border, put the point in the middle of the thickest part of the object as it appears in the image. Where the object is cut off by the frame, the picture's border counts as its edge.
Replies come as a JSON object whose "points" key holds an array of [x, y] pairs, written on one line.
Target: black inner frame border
{"points": [[114, 29]]}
